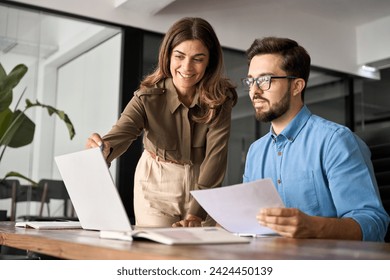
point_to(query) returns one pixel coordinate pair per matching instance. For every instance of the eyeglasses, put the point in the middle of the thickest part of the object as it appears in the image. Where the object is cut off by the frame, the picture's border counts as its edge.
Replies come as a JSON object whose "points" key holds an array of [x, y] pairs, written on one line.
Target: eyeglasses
{"points": [[263, 82]]}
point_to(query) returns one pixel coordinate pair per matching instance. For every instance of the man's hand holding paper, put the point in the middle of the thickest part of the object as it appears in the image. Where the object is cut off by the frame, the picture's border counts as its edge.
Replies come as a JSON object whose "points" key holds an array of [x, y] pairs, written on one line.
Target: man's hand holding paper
{"points": [[235, 207]]}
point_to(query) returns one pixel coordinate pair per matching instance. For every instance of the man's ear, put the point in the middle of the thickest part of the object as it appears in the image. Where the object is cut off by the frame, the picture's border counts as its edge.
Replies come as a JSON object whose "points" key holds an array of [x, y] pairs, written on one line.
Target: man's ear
{"points": [[298, 85]]}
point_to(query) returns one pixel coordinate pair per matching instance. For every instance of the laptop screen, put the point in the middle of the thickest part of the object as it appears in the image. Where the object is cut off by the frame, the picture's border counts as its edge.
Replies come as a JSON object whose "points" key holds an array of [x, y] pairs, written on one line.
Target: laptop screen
{"points": [[92, 191]]}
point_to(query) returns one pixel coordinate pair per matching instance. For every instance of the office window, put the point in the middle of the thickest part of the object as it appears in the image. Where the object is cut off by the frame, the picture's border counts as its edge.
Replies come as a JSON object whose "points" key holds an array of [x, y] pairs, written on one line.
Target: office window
{"points": [[47, 43]]}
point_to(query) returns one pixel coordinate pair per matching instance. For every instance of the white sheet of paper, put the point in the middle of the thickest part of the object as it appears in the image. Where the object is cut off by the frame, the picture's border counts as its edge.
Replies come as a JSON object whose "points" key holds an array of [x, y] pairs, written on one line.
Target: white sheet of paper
{"points": [[235, 207]]}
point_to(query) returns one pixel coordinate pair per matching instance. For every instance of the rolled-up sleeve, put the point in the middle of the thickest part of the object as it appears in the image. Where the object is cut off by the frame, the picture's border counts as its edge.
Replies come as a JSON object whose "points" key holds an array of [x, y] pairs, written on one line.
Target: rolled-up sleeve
{"points": [[128, 127], [353, 185]]}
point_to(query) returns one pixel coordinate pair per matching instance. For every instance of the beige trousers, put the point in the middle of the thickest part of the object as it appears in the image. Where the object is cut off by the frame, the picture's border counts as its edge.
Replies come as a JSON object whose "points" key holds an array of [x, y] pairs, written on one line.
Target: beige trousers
{"points": [[162, 191]]}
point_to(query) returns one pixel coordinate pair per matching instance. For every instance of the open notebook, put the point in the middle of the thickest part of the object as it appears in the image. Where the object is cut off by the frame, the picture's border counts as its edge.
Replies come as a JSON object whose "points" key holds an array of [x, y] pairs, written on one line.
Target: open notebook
{"points": [[99, 206]]}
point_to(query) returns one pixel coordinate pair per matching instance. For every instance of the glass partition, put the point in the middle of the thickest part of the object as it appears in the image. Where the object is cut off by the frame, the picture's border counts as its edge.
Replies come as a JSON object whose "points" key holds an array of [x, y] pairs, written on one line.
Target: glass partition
{"points": [[74, 66]]}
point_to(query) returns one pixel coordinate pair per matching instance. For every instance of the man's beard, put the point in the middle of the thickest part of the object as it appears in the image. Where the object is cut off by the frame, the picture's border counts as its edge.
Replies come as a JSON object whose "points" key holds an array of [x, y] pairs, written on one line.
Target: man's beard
{"points": [[276, 110]]}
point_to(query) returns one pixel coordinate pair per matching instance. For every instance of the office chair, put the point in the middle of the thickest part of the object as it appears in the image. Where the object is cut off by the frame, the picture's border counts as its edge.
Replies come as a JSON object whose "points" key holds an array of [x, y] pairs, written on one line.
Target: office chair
{"points": [[28, 193], [45, 193], [55, 189], [8, 189]]}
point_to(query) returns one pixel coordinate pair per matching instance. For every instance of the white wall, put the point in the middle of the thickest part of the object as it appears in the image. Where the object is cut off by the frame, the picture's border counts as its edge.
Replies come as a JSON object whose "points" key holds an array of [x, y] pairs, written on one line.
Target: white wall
{"points": [[373, 41], [88, 90]]}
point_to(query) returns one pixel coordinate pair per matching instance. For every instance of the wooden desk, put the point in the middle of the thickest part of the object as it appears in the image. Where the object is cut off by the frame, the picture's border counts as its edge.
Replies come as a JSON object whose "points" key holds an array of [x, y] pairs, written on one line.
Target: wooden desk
{"points": [[81, 244]]}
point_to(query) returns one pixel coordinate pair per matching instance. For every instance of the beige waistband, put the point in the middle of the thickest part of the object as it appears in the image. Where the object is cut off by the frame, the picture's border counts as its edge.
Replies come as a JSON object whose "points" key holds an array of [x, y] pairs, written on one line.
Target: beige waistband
{"points": [[157, 158]]}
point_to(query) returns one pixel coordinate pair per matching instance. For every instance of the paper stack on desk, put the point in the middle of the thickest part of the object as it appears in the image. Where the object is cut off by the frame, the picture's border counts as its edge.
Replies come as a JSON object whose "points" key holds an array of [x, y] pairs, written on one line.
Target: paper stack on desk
{"points": [[49, 224]]}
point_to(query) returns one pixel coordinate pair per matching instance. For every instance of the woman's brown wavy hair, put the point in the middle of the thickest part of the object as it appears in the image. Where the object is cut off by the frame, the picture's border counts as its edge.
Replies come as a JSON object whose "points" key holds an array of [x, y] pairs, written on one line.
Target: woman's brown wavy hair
{"points": [[214, 88]]}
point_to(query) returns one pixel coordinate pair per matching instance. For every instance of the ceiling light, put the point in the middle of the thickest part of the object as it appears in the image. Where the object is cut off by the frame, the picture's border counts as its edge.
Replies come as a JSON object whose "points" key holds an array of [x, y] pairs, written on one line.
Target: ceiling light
{"points": [[369, 68]]}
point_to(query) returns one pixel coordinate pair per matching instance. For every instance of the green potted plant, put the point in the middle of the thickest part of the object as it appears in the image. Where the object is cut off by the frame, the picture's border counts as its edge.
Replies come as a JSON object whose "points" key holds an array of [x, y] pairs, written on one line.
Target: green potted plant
{"points": [[16, 128]]}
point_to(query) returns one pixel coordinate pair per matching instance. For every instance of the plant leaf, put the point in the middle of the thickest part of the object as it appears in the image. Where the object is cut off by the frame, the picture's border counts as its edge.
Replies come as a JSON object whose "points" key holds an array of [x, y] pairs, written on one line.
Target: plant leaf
{"points": [[5, 120], [13, 78], [19, 131], [51, 110], [8, 82], [5, 96], [16, 174]]}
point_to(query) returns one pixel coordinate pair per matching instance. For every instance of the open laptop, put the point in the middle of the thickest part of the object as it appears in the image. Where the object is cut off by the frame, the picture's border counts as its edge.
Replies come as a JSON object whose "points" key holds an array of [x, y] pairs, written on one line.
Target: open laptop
{"points": [[99, 207]]}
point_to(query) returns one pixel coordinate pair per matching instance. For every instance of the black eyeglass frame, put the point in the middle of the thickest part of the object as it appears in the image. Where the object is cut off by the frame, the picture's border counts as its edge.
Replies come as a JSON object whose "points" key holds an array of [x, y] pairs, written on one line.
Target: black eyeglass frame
{"points": [[248, 82]]}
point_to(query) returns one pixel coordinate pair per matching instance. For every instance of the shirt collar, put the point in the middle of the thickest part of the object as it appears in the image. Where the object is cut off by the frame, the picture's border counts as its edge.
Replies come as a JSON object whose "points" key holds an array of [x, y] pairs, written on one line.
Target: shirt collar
{"points": [[292, 130], [172, 96]]}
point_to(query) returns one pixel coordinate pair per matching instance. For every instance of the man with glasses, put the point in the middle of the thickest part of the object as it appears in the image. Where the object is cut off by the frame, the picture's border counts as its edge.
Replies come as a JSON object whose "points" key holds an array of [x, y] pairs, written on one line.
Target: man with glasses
{"points": [[321, 169]]}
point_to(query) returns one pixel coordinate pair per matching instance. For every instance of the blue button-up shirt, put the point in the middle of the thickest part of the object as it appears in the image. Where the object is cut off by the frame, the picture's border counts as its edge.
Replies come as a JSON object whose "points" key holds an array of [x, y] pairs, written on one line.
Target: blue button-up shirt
{"points": [[323, 169]]}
